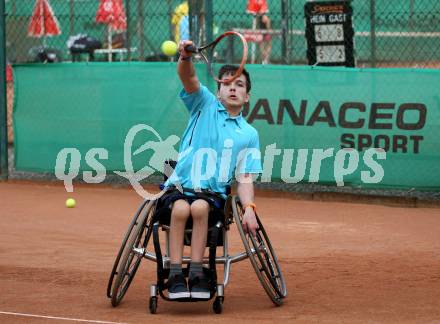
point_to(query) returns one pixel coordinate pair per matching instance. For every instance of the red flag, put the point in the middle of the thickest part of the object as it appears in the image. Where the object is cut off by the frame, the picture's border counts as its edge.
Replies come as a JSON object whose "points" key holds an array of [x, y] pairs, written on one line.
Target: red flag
{"points": [[112, 12], [43, 21], [257, 7]]}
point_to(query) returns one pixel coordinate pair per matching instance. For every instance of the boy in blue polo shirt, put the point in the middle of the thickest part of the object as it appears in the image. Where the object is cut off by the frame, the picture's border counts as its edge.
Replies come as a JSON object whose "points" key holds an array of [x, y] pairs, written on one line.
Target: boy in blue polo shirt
{"points": [[218, 145]]}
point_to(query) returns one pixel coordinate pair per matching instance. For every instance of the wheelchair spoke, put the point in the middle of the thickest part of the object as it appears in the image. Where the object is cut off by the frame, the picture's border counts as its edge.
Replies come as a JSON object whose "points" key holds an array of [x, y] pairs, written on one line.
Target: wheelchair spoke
{"points": [[266, 262], [274, 274]]}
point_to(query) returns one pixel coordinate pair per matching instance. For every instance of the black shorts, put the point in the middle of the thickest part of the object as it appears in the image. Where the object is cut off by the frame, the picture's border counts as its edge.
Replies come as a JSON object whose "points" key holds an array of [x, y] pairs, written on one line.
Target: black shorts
{"points": [[216, 201]]}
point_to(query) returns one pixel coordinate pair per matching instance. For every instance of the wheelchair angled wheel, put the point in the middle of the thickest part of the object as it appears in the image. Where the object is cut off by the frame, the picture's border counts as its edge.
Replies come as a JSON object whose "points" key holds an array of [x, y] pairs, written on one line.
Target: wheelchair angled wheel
{"points": [[262, 257], [128, 260]]}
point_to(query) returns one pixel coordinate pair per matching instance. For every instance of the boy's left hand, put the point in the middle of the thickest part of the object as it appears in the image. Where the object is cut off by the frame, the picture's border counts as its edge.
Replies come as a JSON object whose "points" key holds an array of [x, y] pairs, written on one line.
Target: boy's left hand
{"points": [[249, 223]]}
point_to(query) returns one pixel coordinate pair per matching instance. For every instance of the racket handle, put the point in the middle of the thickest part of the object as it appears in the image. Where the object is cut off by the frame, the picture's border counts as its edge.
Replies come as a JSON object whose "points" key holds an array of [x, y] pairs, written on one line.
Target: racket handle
{"points": [[191, 48]]}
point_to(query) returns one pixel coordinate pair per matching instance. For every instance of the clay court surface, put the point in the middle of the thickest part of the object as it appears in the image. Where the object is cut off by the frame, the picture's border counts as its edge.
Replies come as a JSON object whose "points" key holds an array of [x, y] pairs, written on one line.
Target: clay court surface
{"points": [[343, 262]]}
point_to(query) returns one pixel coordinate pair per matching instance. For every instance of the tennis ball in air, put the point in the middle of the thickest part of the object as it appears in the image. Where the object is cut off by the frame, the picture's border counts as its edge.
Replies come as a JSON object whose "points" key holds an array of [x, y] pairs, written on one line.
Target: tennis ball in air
{"points": [[169, 48], [70, 203]]}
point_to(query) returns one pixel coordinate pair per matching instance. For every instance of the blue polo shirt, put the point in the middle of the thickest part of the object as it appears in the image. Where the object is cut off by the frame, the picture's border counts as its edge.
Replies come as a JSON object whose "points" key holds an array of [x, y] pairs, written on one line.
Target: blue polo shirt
{"points": [[215, 147]]}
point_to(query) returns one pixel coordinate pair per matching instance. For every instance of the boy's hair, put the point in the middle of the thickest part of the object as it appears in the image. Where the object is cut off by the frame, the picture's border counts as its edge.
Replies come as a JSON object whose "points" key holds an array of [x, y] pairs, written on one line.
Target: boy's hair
{"points": [[231, 69]]}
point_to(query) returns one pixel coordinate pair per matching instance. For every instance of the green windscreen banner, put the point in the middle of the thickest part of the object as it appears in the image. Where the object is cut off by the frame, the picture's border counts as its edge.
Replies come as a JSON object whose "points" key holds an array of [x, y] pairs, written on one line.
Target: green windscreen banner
{"points": [[338, 126]]}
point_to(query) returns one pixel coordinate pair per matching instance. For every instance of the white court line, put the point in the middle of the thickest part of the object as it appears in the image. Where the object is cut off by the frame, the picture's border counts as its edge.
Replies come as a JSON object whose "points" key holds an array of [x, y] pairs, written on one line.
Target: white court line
{"points": [[59, 318]]}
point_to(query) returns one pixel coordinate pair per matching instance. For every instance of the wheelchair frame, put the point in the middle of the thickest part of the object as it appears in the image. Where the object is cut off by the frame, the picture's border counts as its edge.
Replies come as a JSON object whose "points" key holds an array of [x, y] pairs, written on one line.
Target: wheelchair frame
{"points": [[134, 248]]}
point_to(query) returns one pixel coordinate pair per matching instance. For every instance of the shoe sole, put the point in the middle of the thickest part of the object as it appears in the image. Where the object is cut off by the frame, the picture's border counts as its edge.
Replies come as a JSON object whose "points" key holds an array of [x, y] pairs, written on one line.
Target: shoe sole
{"points": [[178, 295], [200, 294]]}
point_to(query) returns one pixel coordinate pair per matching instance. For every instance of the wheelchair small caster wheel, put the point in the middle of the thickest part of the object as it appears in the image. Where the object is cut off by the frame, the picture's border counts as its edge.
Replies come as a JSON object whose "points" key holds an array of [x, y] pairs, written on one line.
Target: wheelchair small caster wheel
{"points": [[217, 306], [153, 305]]}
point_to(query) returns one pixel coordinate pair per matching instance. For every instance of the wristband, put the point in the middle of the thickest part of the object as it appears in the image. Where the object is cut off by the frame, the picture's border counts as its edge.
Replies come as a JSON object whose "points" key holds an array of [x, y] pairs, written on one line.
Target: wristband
{"points": [[185, 58], [254, 207]]}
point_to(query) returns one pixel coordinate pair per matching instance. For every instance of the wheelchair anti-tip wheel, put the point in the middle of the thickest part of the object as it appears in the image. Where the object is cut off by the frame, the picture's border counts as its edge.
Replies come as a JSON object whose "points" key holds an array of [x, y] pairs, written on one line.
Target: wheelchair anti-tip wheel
{"points": [[128, 260], [217, 306], [262, 256], [153, 305]]}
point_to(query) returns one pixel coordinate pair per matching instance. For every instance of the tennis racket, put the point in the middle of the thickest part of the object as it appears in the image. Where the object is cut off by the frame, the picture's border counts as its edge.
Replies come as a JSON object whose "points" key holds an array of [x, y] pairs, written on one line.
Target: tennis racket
{"points": [[229, 48]]}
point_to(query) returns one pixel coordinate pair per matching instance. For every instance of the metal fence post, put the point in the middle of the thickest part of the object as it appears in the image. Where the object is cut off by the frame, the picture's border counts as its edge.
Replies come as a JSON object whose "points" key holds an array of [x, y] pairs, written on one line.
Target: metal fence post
{"points": [[194, 11], [209, 36], [373, 32], [140, 29], [170, 18], [209, 21], [127, 34], [3, 108], [285, 15], [71, 17], [411, 25]]}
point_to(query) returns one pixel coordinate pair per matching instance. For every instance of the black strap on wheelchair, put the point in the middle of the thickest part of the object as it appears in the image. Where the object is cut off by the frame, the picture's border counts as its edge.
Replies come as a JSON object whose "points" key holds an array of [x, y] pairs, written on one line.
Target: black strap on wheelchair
{"points": [[212, 253], [159, 260]]}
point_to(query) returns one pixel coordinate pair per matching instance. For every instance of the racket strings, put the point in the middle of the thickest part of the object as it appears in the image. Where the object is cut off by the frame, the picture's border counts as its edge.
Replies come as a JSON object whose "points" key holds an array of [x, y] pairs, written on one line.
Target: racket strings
{"points": [[230, 50]]}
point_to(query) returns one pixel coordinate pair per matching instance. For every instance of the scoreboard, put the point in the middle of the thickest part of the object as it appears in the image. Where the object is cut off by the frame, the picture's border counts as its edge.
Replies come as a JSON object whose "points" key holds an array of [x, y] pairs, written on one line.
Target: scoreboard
{"points": [[329, 33]]}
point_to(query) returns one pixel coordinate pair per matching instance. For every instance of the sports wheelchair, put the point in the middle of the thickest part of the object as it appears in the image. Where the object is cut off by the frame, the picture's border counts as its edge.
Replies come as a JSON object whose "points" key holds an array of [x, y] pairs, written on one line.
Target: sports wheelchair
{"points": [[153, 215]]}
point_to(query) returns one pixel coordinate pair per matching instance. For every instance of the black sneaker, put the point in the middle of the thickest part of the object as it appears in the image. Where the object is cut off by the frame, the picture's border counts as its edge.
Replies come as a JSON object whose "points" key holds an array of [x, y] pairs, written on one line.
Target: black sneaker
{"points": [[199, 287], [177, 287]]}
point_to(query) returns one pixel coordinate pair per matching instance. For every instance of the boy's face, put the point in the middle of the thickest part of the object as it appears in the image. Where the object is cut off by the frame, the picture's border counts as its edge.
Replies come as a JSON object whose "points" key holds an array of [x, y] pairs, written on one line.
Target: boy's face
{"points": [[233, 95]]}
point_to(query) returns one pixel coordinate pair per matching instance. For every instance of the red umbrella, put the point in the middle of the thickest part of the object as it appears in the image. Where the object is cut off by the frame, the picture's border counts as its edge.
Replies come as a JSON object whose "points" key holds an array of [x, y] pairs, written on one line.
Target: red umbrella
{"points": [[112, 13], [43, 21]]}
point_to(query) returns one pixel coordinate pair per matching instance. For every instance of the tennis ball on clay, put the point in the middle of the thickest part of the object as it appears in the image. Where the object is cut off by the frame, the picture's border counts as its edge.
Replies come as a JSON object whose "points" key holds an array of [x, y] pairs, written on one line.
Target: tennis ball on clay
{"points": [[169, 48], [70, 203]]}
